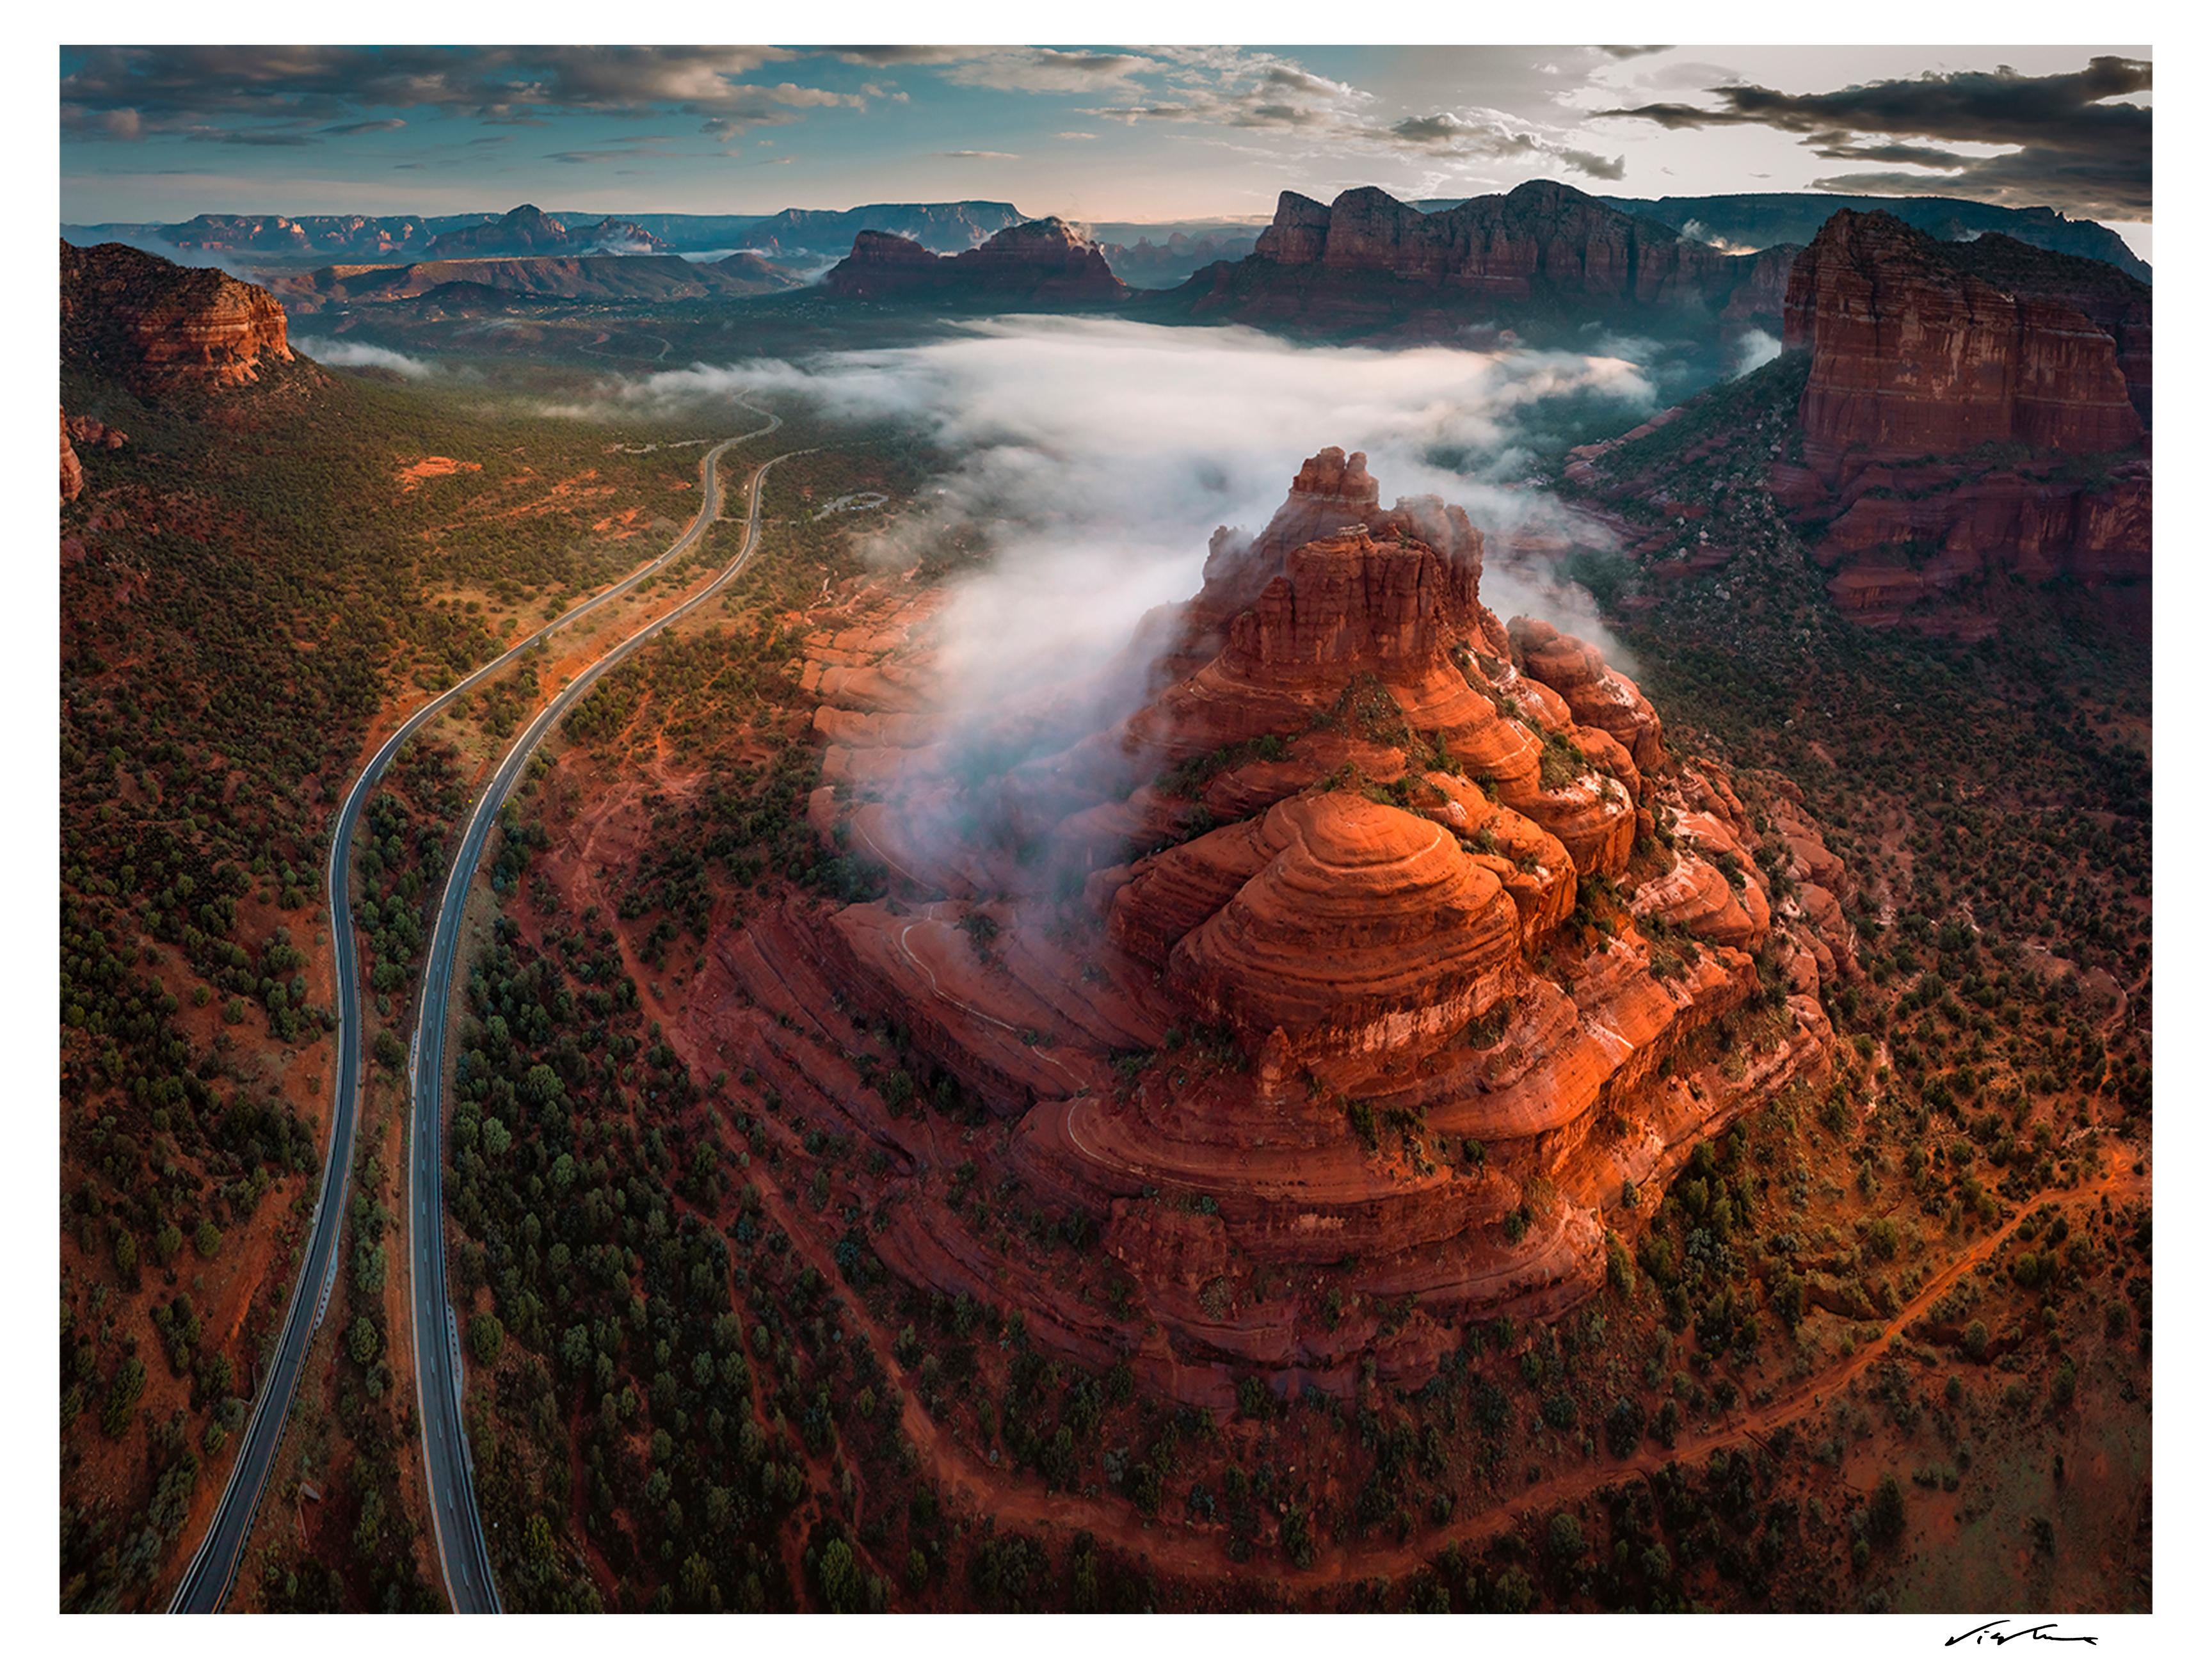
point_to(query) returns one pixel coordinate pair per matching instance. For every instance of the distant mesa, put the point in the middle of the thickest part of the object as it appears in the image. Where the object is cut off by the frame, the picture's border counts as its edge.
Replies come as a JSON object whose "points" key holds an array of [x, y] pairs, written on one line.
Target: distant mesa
{"points": [[159, 328], [525, 231], [1045, 261], [1392, 942], [1369, 261], [474, 285], [940, 227]]}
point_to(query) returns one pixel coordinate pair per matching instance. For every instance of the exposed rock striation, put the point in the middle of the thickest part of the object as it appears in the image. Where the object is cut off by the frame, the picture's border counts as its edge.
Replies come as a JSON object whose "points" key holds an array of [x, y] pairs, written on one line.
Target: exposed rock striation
{"points": [[1971, 411], [160, 327], [1367, 259], [1043, 260], [1391, 942], [1920, 347]]}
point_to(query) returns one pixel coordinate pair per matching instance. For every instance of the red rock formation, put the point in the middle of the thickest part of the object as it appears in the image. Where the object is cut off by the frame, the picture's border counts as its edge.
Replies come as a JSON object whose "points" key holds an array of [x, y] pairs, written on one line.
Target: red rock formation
{"points": [[160, 327], [82, 432], [1381, 855], [1922, 353], [1915, 352], [72, 472], [1045, 260], [1543, 242]]}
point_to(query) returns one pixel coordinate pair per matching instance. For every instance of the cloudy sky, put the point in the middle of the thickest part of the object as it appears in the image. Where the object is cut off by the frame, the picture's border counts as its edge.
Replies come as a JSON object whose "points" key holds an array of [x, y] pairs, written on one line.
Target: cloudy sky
{"points": [[1098, 133]]}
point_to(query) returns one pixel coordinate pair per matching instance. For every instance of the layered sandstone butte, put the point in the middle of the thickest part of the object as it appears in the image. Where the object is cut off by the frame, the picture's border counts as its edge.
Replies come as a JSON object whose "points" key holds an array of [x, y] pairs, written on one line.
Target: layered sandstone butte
{"points": [[1044, 260], [1921, 347], [1542, 245], [1365, 961], [1970, 410], [160, 327]]}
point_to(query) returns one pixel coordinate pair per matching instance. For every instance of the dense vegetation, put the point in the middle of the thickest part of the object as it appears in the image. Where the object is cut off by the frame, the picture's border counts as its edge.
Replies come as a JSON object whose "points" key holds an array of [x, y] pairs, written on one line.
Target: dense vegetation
{"points": [[242, 583]]}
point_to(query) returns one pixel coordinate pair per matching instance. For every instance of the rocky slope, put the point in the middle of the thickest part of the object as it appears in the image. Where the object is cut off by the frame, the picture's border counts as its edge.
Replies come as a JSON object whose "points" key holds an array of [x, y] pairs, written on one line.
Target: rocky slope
{"points": [[1968, 409], [1388, 942], [159, 327], [1367, 259], [1045, 260]]}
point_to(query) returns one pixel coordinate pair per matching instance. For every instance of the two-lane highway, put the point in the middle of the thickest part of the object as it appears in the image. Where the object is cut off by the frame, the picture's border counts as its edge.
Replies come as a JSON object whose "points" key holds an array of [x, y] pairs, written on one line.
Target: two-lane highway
{"points": [[457, 1527], [214, 1566]]}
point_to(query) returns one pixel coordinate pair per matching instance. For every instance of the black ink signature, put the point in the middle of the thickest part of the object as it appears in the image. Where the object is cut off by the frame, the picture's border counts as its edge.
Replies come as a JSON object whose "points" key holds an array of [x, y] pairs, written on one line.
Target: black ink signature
{"points": [[1989, 1632]]}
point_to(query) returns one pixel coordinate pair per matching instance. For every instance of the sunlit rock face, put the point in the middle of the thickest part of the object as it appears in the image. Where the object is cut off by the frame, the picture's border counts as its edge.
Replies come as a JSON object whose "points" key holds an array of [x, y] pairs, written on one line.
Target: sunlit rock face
{"points": [[160, 327], [1369, 958]]}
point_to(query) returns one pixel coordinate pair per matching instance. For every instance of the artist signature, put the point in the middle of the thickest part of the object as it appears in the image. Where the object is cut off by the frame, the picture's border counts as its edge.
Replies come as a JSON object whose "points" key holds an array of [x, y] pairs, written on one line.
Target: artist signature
{"points": [[1989, 1632]]}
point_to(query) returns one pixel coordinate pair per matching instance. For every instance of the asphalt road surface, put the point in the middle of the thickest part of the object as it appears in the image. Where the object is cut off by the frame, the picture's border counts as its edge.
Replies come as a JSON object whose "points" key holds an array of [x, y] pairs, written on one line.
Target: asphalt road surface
{"points": [[214, 1567], [457, 1529]]}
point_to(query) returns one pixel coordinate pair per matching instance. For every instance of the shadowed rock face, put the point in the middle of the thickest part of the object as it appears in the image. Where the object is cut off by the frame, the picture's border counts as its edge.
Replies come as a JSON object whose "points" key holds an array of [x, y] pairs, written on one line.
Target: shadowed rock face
{"points": [[1045, 259], [1367, 255], [1416, 881], [1920, 348], [160, 327], [1949, 387]]}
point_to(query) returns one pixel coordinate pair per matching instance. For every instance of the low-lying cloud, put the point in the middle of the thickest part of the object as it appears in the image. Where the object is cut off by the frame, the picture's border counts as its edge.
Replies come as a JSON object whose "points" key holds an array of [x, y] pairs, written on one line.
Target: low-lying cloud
{"points": [[360, 354], [1100, 455]]}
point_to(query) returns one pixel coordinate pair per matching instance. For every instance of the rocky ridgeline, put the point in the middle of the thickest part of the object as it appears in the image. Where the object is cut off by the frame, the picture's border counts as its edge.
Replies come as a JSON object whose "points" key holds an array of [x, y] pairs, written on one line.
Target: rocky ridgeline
{"points": [[1045, 260], [1413, 938]]}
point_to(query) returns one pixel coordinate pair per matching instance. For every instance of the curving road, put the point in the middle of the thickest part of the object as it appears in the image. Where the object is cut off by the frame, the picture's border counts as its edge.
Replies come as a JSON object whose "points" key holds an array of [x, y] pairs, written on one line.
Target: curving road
{"points": [[457, 1529], [214, 1566]]}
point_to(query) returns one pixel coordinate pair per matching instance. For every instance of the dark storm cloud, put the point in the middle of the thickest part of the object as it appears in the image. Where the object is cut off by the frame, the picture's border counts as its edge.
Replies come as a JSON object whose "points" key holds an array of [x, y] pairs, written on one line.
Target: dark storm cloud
{"points": [[2068, 149]]}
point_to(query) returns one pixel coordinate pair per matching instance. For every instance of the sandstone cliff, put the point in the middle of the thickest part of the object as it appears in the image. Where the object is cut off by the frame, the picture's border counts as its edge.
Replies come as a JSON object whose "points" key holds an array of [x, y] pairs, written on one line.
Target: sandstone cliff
{"points": [[160, 327], [1045, 260], [1969, 410], [1921, 348], [1367, 257]]}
